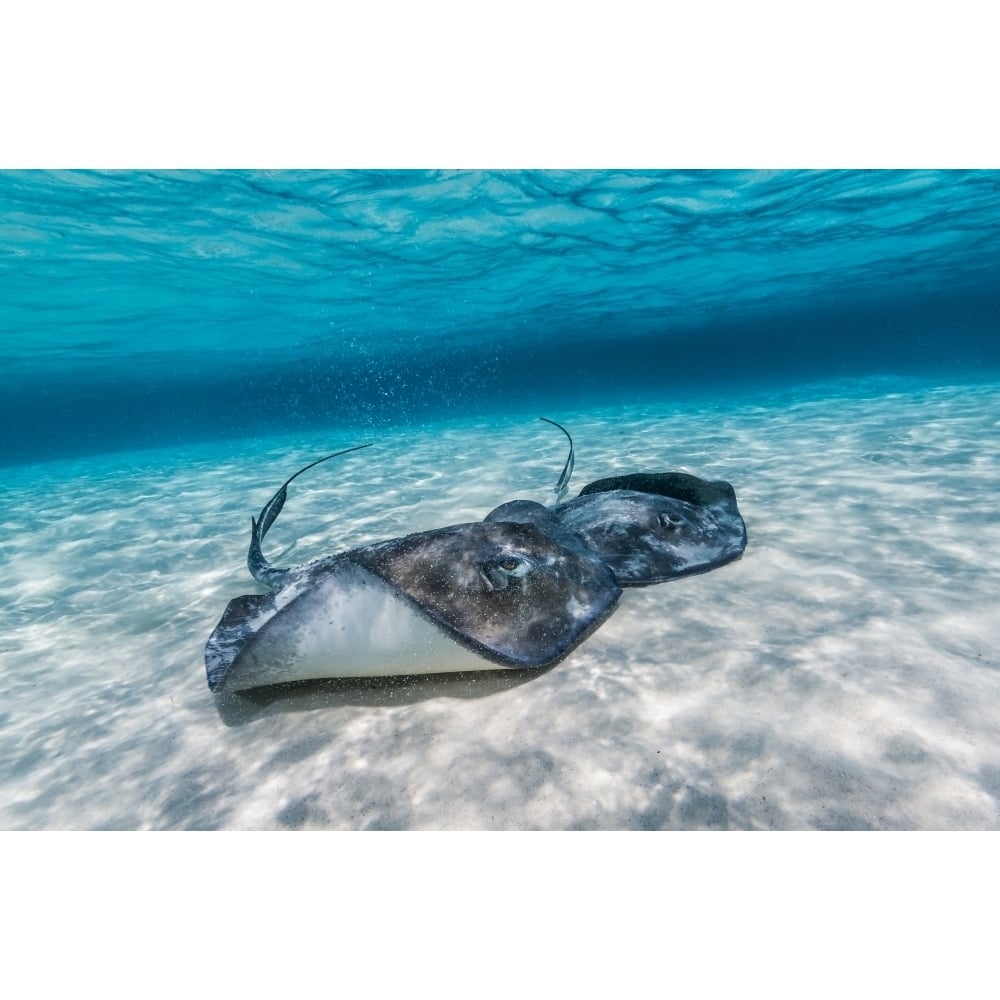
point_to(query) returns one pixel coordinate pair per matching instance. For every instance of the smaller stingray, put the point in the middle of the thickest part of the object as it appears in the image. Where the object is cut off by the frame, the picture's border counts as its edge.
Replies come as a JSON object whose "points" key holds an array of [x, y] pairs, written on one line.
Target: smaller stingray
{"points": [[646, 527], [465, 597], [652, 527]]}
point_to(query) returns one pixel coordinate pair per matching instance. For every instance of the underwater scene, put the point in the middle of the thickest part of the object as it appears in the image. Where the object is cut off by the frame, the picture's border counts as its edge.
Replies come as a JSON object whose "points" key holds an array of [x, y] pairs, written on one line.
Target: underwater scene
{"points": [[743, 574]]}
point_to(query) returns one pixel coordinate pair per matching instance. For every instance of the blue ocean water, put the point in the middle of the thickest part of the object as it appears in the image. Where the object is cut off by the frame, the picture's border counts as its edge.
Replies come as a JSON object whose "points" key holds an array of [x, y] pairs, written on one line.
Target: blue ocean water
{"points": [[176, 344], [143, 309]]}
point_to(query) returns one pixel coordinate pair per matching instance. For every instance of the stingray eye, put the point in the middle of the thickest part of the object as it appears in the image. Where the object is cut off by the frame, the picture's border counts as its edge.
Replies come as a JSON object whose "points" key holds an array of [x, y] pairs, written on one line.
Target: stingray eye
{"points": [[668, 522], [503, 571]]}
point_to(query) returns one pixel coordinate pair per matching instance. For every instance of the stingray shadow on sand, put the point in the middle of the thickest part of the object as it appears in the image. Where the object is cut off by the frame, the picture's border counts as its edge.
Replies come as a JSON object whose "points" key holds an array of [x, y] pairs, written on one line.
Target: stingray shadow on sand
{"points": [[240, 708]]}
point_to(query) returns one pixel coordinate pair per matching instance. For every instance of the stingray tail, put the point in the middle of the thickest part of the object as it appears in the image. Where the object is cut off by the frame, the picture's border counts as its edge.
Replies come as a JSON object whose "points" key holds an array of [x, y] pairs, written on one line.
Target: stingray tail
{"points": [[260, 568], [562, 486]]}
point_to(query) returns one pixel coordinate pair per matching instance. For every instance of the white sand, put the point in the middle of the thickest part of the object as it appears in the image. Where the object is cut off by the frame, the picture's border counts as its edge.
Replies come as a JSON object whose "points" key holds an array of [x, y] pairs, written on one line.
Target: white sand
{"points": [[844, 674]]}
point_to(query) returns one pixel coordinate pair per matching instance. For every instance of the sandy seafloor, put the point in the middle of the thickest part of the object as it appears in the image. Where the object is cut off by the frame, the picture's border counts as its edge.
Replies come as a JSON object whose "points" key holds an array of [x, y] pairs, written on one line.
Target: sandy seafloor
{"points": [[844, 674]]}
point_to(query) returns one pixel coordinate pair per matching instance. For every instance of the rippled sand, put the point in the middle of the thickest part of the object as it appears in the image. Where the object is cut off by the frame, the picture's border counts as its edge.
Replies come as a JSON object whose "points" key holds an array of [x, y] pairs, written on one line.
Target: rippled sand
{"points": [[843, 674]]}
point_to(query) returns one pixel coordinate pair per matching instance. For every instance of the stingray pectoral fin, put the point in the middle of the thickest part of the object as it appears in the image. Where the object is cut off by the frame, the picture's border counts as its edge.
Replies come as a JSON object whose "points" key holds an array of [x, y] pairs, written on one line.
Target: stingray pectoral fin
{"points": [[505, 590], [240, 622], [333, 618]]}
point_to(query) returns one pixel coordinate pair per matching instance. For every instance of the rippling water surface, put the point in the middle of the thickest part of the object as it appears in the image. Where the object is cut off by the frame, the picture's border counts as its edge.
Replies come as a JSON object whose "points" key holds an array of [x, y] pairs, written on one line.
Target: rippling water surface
{"points": [[161, 307]]}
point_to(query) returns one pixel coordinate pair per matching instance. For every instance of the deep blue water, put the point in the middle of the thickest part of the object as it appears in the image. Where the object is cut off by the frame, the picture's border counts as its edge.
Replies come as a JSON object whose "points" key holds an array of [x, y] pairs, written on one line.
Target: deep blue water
{"points": [[153, 308]]}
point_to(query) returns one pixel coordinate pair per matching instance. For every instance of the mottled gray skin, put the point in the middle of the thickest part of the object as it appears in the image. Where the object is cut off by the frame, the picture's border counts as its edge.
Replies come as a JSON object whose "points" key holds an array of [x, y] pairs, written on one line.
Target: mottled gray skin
{"points": [[646, 539], [546, 519], [652, 527], [506, 590]]}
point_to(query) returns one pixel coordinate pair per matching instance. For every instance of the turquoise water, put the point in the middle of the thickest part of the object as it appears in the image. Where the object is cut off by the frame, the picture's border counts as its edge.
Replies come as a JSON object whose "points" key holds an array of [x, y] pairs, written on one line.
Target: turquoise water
{"points": [[175, 345], [156, 308]]}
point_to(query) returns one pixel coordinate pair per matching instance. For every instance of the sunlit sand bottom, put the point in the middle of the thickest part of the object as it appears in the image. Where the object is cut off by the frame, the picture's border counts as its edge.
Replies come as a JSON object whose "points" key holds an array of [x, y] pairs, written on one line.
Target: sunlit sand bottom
{"points": [[843, 674]]}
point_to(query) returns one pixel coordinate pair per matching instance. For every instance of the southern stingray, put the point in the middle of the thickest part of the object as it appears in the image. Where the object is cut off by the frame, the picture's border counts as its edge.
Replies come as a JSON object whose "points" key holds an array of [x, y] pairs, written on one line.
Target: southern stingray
{"points": [[520, 589], [466, 597]]}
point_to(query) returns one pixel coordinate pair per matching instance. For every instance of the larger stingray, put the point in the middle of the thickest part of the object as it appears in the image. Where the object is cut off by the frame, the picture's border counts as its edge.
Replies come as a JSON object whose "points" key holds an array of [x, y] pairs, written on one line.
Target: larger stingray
{"points": [[646, 527], [465, 597]]}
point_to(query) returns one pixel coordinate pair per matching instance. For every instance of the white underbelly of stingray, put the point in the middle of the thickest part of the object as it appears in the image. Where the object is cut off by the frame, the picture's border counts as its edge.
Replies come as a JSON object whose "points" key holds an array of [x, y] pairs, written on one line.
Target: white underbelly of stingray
{"points": [[349, 625]]}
